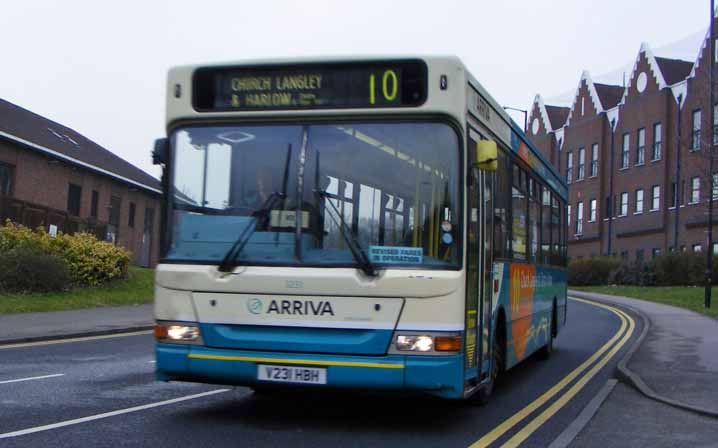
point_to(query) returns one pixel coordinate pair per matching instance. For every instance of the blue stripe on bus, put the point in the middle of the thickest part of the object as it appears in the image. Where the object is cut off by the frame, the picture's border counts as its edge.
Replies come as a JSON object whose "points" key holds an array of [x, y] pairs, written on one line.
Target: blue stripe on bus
{"points": [[297, 339], [436, 375]]}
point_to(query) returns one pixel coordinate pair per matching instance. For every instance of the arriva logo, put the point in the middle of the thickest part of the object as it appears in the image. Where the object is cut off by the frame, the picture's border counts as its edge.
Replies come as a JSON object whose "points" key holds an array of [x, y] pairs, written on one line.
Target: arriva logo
{"points": [[254, 306], [291, 307]]}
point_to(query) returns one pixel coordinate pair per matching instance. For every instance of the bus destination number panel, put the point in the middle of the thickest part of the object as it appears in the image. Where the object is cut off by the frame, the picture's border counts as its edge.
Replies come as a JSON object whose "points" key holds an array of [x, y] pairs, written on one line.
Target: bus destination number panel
{"points": [[310, 86]]}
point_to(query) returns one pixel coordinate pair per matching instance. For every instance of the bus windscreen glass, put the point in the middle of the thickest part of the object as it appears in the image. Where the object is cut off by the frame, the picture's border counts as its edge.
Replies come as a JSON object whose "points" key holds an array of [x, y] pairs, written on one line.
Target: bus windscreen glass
{"points": [[400, 84]]}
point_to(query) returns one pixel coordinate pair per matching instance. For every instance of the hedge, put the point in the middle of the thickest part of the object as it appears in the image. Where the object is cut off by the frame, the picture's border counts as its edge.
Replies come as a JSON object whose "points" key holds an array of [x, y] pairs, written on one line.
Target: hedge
{"points": [[671, 269], [89, 261]]}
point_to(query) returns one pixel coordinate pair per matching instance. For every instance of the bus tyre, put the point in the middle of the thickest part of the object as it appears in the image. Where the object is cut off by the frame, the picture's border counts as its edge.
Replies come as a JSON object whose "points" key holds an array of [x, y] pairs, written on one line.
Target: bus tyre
{"points": [[497, 362], [544, 352]]}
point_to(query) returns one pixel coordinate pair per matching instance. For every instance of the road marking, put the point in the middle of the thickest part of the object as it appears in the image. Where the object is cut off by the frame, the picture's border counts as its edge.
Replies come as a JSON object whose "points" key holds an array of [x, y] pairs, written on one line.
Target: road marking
{"points": [[79, 339], [549, 412], [90, 418], [32, 378], [314, 362], [515, 419]]}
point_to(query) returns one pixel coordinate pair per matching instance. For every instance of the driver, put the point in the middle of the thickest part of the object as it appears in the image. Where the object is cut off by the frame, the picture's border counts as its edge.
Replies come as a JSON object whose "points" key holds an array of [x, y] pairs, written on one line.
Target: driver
{"points": [[264, 188]]}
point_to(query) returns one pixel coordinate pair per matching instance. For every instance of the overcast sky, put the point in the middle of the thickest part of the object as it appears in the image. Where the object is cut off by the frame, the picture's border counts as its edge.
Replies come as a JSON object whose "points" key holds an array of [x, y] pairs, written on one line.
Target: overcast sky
{"points": [[100, 67]]}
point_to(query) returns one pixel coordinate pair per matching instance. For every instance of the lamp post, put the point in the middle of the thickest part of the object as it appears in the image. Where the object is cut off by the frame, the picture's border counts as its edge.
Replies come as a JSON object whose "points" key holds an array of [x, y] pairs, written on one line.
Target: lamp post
{"points": [[711, 143], [525, 112], [612, 123]]}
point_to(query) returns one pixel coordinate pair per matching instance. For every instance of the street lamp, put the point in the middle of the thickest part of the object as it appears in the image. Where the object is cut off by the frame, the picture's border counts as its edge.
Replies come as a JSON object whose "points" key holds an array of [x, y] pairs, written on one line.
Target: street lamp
{"points": [[526, 115]]}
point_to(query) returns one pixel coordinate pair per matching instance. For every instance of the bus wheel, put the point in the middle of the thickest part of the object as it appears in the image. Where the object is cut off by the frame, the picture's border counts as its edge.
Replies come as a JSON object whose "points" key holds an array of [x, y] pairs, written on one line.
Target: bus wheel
{"points": [[544, 352], [497, 366]]}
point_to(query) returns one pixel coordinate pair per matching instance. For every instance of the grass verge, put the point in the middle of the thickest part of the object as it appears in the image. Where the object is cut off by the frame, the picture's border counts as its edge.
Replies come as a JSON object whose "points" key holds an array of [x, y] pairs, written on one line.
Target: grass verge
{"points": [[689, 297], [136, 289]]}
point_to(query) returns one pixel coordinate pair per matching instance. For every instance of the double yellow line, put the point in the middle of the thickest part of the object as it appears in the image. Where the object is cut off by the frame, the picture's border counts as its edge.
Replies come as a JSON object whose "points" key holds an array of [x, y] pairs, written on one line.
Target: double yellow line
{"points": [[605, 353]]}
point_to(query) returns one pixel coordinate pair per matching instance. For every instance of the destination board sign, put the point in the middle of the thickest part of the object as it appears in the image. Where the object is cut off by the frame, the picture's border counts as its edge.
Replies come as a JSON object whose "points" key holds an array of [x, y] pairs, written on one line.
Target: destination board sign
{"points": [[309, 86]]}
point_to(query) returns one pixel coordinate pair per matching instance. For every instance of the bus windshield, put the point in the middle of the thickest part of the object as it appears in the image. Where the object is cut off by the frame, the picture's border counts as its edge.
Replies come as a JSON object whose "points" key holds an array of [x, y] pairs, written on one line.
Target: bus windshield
{"points": [[303, 194]]}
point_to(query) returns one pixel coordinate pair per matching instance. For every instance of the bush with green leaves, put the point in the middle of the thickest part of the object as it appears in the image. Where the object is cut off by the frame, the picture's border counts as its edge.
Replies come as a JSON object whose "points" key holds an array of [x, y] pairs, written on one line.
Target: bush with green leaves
{"points": [[89, 261], [26, 269], [593, 271]]}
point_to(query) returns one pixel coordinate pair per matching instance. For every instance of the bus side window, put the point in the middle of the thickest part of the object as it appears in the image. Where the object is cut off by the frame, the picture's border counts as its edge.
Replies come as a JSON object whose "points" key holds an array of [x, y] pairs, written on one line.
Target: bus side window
{"points": [[501, 207], [519, 211], [545, 225], [555, 231]]}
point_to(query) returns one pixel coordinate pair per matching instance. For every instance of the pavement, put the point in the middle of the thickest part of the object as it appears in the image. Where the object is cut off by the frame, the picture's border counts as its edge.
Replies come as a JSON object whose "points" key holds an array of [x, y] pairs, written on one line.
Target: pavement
{"points": [[668, 394], [28, 327]]}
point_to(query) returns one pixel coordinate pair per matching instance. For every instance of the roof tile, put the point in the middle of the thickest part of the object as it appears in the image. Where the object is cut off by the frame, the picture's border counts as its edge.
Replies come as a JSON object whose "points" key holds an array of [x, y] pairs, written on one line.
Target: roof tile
{"points": [[41, 131]]}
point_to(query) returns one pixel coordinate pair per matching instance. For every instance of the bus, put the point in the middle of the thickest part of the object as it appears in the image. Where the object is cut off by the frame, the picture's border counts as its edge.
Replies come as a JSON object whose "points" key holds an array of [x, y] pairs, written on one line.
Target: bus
{"points": [[371, 223]]}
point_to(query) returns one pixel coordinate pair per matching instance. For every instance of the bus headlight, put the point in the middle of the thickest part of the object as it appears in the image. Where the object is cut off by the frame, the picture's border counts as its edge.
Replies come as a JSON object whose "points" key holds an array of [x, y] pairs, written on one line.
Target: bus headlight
{"points": [[414, 343], [177, 333], [428, 343]]}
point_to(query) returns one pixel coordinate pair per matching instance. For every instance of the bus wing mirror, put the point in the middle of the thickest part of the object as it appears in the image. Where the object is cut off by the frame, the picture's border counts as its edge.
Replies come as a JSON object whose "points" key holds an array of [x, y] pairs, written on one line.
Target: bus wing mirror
{"points": [[161, 152], [487, 155]]}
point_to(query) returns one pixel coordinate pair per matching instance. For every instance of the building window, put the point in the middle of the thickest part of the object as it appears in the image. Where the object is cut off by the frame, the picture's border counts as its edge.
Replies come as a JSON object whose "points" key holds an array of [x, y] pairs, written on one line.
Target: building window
{"points": [[715, 186], [656, 252], [131, 219], [715, 124], [625, 150], [624, 255], [696, 133], [93, 204], [74, 194], [581, 163], [715, 248], [655, 197], [695, 190], [579, 218], [568, 216], [697, 248], [113, 227], [5, 179], [657, 139], [592, 211], [594, 160], [639, 200], [624, 204], [641, 147], [639, 255], [569, 166]]}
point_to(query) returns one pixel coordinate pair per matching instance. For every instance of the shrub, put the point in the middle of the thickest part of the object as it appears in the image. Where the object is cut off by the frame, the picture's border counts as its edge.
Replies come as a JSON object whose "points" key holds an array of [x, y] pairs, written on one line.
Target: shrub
{"points": [[633, 273], [89, 261], [683, 268], [591, 271], [25, 269]]}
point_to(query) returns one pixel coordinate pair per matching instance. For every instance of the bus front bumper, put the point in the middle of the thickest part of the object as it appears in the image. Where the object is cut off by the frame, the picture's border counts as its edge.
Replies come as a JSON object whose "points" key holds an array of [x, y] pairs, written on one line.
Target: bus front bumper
{"points": [[437, 375]]}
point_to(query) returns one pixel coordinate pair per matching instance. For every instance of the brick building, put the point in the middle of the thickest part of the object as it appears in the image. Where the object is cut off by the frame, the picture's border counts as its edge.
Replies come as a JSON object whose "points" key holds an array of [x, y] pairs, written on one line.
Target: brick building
{"points": [[54, 177], [638, 185]]}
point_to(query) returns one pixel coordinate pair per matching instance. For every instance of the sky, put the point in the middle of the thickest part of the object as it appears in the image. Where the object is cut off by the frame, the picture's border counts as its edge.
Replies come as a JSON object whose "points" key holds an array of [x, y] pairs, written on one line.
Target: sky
{"points": [[100, 67]]}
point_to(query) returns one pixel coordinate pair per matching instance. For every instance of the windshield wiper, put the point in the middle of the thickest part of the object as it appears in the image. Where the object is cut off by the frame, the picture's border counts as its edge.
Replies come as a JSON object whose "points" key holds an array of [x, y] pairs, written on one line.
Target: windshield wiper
{"points": [[228, 262], [232, 255], [357, 251]]}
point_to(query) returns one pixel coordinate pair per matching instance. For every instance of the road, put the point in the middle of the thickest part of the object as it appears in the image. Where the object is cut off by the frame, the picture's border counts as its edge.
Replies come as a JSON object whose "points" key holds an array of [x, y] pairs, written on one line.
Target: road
{"points": [[101, 392]]}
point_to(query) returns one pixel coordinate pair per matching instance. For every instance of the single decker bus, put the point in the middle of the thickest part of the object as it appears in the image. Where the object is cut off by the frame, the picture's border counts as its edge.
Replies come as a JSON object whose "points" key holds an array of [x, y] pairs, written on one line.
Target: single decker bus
{"points": [[371, 223]]}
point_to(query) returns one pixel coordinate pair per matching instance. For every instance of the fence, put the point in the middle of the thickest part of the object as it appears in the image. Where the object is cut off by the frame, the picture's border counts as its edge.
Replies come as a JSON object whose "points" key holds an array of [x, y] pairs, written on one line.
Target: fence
{"points": [[34, 215]]}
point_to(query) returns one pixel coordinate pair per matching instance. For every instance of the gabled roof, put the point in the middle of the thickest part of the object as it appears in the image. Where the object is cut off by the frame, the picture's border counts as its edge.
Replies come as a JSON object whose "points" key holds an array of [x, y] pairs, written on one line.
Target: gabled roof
{"points": [[674, 70], [538, 101], [557, 115], [39, 133], [609, 95]]}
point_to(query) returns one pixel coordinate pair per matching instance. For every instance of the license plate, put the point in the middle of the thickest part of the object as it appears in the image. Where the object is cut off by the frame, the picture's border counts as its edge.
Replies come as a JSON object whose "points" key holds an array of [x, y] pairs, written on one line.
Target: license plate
{"points": [[287, 374]]}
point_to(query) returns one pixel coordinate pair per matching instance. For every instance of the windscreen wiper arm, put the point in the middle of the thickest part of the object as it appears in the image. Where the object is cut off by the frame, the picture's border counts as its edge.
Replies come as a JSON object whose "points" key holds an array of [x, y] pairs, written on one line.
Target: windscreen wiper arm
{"points": [[232, 255], [228, 262], [357, 251]]}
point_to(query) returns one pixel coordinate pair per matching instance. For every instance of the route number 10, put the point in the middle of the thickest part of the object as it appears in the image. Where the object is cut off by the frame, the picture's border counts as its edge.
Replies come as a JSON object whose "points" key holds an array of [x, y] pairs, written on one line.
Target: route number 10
{"points": [[389, 86]]}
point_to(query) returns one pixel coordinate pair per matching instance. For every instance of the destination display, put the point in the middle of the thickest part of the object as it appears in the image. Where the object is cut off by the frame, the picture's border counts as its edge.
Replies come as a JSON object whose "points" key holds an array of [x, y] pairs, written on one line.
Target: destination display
{"points": [[400, 84]]}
